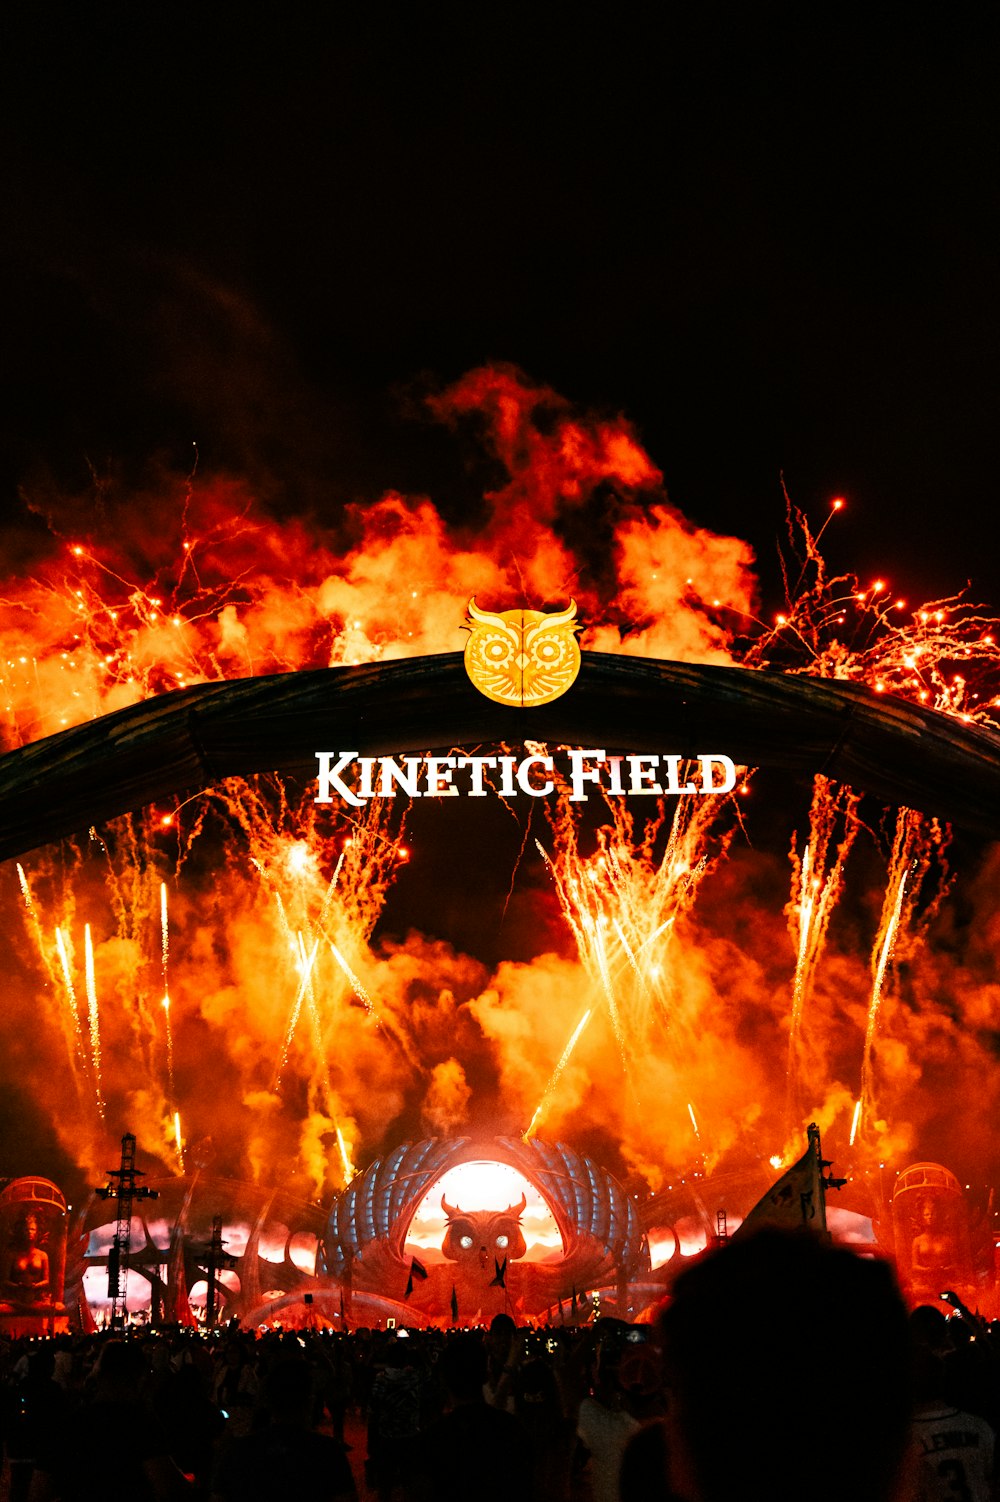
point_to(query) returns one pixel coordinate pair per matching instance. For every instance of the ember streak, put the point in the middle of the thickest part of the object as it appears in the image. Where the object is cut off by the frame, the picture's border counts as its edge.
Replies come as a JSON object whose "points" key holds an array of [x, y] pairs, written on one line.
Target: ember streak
{"points": [[668, 1002]]}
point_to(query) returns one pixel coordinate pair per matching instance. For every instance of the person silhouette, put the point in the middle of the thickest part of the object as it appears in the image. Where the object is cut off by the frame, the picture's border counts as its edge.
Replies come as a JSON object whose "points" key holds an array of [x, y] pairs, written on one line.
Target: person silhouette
{"points": [[788, 1372]]}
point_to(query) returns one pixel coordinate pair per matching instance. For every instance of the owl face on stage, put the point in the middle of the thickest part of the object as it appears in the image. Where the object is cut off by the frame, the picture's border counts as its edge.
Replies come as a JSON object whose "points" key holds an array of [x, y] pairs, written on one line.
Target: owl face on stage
{"points": [[522, 657], [497, 1232]]}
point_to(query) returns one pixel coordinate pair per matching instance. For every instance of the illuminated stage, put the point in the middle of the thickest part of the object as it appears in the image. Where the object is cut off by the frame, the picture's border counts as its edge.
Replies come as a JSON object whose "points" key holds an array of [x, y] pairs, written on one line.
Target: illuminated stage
{"points": [[454, 1231]]}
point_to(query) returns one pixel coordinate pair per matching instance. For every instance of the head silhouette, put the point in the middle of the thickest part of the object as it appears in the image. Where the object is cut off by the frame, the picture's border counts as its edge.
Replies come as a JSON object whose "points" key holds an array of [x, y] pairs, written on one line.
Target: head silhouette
{"points": [[787, 1362]]}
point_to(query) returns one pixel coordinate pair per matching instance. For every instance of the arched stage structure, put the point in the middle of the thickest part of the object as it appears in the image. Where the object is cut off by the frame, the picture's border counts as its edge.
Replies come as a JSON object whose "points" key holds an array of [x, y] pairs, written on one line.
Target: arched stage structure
{"points": [[603, 1244], [180, 742]]}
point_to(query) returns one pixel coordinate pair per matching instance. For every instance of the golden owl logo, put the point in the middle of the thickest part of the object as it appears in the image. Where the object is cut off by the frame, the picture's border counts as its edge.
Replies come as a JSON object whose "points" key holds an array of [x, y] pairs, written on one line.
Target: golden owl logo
{"points": [[522, 657]]}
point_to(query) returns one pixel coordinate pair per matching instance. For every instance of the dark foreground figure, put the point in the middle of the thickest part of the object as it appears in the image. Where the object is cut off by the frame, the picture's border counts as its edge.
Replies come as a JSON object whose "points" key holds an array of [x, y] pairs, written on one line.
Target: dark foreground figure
{"points": [[474, 1450], [787, 1373], [787, 1367], [286, 1457]]}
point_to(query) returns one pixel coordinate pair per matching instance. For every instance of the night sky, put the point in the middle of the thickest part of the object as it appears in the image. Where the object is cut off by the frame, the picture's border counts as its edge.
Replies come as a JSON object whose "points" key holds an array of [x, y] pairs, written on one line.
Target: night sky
{"points": [[765, 235]]}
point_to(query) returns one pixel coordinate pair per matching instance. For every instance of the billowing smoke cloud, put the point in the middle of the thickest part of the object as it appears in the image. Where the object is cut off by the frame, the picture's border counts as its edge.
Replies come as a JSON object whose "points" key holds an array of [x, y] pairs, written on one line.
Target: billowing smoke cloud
{"points": [[291, 1014], [447, 1098]]}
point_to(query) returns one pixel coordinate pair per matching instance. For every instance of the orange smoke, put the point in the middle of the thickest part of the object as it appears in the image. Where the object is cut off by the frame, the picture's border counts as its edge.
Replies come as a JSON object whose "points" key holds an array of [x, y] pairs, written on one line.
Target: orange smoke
{"points": [[666, 1003]]}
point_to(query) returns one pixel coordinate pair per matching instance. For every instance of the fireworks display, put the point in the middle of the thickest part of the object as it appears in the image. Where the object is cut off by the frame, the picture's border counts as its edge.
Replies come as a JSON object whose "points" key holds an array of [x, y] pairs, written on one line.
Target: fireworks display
{"points": [[311, 991]]}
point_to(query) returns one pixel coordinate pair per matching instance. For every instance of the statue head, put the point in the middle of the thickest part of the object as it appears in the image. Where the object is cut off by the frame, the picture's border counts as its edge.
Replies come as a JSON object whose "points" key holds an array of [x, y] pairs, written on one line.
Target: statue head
{"points": [[498, 1231]]}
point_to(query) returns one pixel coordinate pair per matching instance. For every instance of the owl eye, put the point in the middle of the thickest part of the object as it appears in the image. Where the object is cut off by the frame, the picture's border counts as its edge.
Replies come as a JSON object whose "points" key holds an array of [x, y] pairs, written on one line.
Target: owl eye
{"points": [[465, 1242], [547, 650], [497, 650], [503, 1241]]}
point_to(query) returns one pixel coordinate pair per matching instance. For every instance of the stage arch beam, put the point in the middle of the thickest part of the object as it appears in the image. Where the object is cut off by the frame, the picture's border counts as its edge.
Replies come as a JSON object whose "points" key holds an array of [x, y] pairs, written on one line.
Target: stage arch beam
{"points": [[178, 743]]}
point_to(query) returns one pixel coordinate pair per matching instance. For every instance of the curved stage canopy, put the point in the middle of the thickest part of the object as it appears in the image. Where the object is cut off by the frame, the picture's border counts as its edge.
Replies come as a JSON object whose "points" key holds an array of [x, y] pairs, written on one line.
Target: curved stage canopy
{"points": [[584, 1198], [180, 742]]}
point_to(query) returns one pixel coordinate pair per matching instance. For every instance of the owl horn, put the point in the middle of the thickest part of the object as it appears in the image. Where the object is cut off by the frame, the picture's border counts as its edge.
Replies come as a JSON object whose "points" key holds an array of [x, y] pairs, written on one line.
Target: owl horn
{"points": [[558, 618], [483, 617], [518, 1210], [450, 1210]]}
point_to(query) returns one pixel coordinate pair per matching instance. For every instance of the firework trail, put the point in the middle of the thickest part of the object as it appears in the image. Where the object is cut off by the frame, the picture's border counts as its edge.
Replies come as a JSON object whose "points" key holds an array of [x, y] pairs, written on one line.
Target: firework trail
{"points": [[916, 844], [164, 957], [346, 1164], [33, 915], [895, 893], [304, 964], [61, 980], [125, 864], [164, 936], [355, 984], [74, 1033], [634, 892], [319, 916], [94, 1017], [622, 905], [563, 1061], [816, 886]]}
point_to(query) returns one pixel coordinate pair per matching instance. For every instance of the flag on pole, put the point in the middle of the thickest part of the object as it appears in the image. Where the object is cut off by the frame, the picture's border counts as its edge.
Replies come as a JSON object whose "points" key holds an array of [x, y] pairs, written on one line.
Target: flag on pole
{"points": [[454, 1305], [797, 1199], [177, 1290], [417, 1270]]}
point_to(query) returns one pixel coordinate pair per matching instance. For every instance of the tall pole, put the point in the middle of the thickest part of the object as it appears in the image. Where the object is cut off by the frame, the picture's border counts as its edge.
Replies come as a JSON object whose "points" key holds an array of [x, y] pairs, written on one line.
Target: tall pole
{"points": [[121, 1186], [216, 1259]]}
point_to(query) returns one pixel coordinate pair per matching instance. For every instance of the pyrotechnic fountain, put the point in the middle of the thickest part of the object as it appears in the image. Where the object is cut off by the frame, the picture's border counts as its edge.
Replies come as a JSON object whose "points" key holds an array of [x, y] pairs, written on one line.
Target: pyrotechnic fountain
{"points": [[226, 961]]}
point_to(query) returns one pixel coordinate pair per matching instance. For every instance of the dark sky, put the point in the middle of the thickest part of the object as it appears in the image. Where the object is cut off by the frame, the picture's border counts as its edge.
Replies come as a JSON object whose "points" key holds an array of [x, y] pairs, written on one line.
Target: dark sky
{"points": [[766, 234]]}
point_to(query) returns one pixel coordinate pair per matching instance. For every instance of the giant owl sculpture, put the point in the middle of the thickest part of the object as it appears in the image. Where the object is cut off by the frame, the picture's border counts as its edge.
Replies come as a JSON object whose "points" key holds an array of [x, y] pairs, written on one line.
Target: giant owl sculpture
{"points": [[497, 1232], [522, 657]]}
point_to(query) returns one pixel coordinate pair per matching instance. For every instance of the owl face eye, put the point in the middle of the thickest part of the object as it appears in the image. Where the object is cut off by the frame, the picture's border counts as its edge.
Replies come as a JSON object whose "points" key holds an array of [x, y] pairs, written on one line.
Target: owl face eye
{"points": [[503, 1241], [496, 651], [465, 1242]]}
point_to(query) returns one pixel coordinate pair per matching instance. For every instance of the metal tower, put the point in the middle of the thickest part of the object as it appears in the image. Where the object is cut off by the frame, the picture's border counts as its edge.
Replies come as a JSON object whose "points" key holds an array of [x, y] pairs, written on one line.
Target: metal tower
{"points": [[216, 1258], [122, 1187]]}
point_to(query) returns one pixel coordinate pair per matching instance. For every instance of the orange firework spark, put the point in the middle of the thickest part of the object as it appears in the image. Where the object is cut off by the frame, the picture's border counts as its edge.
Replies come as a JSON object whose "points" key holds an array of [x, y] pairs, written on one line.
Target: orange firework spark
{"points": [[942, 655], [915, 845], [279, 842], [815, 889], [94, 1015], [303, 964], [564, 1059], [292, 854], [164, 955], [67, 1018], [622, 904], [76, 1054]]}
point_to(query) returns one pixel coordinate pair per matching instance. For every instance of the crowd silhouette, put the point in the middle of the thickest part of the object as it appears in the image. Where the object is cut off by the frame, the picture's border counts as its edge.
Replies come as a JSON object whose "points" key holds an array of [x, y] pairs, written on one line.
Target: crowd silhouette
{"points": [[780, 1368]]}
